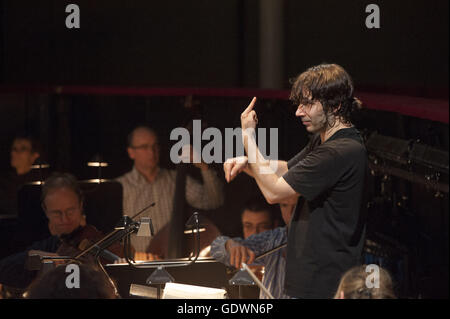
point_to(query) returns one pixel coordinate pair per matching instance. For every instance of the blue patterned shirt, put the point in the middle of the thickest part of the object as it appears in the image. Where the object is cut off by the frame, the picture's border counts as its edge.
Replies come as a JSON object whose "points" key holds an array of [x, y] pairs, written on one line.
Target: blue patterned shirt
{"points": [[274, 264]]}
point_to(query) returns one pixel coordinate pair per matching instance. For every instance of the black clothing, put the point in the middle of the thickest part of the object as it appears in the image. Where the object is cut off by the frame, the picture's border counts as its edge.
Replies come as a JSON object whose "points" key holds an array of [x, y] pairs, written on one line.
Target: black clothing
{"points": [[326, 233], [22, 220], [12, 268], [10, 185]]}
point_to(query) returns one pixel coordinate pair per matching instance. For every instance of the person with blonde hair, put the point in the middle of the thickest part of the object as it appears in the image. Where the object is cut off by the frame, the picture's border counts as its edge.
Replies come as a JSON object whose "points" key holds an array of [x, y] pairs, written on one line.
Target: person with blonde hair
{"points": [[355, 284]]}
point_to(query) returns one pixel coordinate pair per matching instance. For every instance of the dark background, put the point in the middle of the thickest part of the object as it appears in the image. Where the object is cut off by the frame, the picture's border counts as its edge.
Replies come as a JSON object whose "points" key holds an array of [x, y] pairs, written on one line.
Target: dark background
{"points": [[215, 44]]}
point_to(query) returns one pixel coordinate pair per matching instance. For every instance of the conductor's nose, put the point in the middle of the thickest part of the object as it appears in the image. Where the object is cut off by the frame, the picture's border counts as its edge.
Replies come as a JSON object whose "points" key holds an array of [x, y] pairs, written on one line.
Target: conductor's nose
{"points": [[300, 112]]}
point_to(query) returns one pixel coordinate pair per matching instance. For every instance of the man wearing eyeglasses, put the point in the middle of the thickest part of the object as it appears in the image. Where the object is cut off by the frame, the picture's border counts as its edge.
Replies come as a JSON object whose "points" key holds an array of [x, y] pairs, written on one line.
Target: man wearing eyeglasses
{"points": [[326, 234], [147, 182], [62, 201]]}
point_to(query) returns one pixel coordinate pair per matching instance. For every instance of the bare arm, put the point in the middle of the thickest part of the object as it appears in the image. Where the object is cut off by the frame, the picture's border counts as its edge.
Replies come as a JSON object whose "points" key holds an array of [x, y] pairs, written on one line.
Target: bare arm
{"points": [[268, 174], [238, 165], [281, 166]]}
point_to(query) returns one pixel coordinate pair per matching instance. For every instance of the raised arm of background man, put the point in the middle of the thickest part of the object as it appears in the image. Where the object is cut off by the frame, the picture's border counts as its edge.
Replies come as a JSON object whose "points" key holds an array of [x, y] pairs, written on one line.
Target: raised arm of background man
{"points": [[206, 195]]}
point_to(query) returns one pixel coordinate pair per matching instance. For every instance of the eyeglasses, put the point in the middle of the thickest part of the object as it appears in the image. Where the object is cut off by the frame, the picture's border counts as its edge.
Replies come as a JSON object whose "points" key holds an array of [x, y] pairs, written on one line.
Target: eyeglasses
{"points": [[147, 147], [58, 214], [20, 149]]}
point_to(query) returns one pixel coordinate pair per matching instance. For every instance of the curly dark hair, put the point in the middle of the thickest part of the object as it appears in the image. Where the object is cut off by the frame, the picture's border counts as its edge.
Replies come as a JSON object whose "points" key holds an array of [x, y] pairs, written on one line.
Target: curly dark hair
{"points": [[257, 203], [331, 85]]}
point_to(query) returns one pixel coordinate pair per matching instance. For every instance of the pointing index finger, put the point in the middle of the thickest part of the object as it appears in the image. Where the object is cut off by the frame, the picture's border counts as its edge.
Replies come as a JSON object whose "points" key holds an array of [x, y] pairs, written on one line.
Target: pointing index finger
{"points": [[250, 107]]}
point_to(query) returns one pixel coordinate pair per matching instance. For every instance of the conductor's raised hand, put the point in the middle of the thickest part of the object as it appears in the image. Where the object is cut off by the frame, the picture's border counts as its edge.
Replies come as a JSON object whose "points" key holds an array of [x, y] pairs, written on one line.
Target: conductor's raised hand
{"points": [[233, 166], [248, 117]]}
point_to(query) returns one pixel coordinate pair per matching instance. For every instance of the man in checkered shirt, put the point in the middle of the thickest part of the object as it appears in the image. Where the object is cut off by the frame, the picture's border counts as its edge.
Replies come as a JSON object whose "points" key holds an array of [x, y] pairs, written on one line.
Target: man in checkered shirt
{"points": [[147, 182]]}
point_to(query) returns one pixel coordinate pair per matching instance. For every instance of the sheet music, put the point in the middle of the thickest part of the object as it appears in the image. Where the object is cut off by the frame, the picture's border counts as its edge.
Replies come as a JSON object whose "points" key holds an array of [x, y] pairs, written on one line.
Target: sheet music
{"points": [[184, 291]]}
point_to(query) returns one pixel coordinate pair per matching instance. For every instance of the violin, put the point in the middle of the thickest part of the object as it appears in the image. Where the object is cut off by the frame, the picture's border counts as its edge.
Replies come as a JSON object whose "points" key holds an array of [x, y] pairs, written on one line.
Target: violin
{"points": [[82, 238]]}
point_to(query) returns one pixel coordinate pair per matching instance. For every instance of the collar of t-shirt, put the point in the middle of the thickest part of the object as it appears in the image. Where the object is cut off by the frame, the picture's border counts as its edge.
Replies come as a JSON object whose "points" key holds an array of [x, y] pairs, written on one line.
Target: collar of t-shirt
{"points": [[349, 132]]}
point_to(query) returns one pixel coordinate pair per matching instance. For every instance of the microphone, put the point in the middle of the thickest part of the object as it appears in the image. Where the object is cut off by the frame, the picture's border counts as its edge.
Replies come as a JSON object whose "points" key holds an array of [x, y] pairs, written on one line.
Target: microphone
{"points": [[192, 222], [106, 254]]}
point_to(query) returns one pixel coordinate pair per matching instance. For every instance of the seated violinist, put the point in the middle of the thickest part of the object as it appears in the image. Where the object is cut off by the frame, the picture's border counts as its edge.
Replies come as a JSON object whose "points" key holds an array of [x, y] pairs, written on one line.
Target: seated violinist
{"points": [[62, 201]]}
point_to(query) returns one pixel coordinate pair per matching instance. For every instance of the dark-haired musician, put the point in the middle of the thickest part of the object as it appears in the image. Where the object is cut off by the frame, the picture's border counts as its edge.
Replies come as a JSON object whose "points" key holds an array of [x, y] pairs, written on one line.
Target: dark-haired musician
{"points": [[326, 235]]}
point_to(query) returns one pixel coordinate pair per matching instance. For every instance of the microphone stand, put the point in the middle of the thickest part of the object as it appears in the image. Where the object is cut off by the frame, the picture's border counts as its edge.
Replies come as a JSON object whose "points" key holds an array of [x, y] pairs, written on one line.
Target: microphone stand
{"points": [[125, 227], [160, 276], [174, 263], [129, 226]]}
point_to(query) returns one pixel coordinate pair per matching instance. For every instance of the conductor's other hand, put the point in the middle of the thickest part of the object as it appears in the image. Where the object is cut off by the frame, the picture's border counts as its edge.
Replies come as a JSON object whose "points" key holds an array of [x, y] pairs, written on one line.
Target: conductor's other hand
{"points": [[239, 254], [233, 166], [248, 117]]}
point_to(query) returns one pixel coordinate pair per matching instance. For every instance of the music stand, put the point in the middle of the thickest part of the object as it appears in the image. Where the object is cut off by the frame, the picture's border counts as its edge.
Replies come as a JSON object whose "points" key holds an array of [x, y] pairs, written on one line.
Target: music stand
{"points": [[241, 278], [259, 283], [159, 277], [245, 277]]}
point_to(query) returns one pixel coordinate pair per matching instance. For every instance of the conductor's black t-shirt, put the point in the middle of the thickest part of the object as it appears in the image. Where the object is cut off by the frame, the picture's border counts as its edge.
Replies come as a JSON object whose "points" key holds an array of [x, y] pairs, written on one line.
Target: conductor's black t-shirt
{"points": [[326, 233]]}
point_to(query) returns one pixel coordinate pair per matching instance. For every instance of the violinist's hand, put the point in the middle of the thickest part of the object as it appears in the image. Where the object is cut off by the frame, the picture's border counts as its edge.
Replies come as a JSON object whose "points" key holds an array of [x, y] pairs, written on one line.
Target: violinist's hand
{"points": [[239, 254], [233, 166], [248, 117]]}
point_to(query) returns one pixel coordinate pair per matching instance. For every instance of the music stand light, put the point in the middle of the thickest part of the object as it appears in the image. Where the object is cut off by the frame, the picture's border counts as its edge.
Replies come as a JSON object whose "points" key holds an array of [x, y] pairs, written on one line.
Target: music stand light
{"points": [[97, 161], [39, 165]]}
